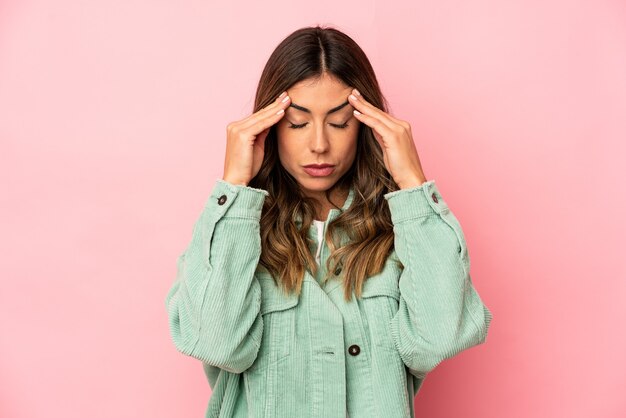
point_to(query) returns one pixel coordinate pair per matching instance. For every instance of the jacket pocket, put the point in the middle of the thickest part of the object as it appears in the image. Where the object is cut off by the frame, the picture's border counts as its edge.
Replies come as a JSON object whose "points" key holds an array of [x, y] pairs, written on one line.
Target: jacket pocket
{"points": [[380, 302], [278, 314]]}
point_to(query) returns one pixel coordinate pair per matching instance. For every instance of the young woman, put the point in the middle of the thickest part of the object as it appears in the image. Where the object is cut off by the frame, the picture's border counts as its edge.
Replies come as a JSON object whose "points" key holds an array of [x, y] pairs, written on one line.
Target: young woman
{"points": [[326, 276]]}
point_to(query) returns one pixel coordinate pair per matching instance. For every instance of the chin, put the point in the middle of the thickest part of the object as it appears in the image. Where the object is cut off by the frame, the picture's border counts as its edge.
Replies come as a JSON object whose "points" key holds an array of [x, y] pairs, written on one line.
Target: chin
{"points": [[319, 184]]}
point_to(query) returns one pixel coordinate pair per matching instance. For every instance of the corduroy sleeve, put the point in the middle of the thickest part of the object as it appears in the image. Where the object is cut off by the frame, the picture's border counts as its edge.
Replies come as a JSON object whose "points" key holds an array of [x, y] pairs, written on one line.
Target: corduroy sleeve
{"points": [[440, 312], [214, 303]]}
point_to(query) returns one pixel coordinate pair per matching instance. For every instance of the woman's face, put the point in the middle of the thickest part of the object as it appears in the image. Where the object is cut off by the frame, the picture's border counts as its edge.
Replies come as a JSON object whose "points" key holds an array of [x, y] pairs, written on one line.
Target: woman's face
{"points": [[318, 128]]}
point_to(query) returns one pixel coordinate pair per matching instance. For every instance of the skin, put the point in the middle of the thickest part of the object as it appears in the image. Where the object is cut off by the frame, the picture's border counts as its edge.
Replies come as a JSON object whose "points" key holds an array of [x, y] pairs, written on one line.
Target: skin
{"points": [[396, 140], [319, 141], [322, 139]]}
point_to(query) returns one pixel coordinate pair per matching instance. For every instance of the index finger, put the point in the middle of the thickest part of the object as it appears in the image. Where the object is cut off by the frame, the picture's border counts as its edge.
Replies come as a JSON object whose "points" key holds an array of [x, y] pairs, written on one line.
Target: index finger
{"points": [[267, 117]]}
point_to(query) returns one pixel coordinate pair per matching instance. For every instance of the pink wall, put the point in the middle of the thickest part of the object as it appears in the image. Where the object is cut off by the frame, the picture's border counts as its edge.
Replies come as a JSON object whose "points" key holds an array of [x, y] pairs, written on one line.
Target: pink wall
{"points": [[112, 128]]}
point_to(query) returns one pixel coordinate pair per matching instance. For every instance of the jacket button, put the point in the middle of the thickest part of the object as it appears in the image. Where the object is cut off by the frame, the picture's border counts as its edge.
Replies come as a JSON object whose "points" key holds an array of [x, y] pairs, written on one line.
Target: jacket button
{"points": [[222, 199], [434, 197], [354, 349]]}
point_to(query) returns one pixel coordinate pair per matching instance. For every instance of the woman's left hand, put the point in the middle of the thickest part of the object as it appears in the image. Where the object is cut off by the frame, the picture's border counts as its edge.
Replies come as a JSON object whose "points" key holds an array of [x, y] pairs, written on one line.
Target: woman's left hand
{"points": [[395, 139]]}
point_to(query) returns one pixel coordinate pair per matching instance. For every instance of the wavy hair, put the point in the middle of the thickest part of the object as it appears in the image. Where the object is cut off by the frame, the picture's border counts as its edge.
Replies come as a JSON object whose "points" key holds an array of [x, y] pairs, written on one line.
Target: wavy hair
{"points": [[308, 53]]}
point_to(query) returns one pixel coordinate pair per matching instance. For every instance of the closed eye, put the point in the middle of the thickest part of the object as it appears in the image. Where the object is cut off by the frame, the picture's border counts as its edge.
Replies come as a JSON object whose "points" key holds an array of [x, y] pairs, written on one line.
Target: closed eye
{"points": [[302, 125]]}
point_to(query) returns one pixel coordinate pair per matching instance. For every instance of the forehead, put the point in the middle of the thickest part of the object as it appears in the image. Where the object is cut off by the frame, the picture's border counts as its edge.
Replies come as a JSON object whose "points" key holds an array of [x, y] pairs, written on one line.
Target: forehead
{"points": [[319, 95]]}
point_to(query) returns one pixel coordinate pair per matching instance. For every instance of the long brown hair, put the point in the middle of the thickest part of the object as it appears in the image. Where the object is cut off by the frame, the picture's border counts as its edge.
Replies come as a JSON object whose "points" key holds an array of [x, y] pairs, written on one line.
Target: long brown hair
{"points": [[307, 53]]}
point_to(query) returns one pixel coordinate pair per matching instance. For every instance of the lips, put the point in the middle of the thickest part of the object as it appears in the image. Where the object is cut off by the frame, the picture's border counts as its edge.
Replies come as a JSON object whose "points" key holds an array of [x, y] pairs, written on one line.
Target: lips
{"points": [[318, 165], [319, 170]]}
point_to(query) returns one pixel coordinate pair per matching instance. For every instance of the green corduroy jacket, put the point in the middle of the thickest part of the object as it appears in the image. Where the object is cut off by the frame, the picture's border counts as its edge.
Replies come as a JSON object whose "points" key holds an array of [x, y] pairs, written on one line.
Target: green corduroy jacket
{"points": [[266, 354]]}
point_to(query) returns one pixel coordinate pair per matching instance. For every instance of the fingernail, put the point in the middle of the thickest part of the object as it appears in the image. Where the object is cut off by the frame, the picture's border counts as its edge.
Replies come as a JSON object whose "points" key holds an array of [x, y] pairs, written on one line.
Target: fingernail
{"points": [[282, 94], [356, 112], [353, 97], [285, 99], [357, 92]]}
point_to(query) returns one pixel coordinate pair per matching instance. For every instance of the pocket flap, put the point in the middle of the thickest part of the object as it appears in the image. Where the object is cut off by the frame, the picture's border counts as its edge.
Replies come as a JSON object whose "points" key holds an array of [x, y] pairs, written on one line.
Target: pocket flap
{"points": [[272, 297], [384, 283]]}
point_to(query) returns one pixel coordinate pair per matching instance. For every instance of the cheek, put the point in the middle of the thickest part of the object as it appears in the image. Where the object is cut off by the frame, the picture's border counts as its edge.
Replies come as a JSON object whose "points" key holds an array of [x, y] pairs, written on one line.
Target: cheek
{"points": [[351, 152], [352, 133], [285, 135], [348, 147], [285, 147]]}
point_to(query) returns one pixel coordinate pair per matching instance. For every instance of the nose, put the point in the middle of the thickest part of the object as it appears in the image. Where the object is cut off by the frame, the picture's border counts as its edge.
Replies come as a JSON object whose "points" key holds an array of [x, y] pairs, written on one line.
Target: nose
{"points": [[319, 140]]}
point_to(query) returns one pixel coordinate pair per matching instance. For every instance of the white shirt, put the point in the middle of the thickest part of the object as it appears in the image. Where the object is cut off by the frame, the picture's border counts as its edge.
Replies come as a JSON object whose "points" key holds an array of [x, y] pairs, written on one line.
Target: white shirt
{"points": [[320, 237]]}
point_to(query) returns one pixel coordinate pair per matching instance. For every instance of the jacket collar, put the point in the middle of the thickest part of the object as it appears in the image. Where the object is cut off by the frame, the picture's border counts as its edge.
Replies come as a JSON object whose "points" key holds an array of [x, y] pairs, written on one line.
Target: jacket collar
{"points": [[334, 212]]}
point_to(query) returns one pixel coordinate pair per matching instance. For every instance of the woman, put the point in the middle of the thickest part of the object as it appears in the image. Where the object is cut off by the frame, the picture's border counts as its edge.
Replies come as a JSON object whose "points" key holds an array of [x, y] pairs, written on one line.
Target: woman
{"points": [[331, 290]]}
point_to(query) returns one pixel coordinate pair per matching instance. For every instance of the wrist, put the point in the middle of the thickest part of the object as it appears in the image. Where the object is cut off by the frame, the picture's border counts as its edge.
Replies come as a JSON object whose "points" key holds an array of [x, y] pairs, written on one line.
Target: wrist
{"points": [[413, 182], [234, 181]]}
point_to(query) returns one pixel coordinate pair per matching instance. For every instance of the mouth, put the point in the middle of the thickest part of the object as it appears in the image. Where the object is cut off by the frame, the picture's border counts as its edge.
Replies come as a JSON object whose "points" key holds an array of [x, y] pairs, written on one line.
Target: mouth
{"points": [[318, 165], [319, 170]]}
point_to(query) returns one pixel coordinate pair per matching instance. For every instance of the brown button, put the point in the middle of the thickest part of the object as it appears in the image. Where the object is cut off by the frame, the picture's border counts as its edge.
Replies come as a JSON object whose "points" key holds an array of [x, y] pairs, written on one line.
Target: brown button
{"points": [[435, 197], [354, 349], [222, 199]]}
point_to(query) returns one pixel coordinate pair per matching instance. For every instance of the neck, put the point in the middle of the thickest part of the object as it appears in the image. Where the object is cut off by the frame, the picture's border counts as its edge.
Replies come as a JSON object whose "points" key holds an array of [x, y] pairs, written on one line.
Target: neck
{"points": [[324, 206]]}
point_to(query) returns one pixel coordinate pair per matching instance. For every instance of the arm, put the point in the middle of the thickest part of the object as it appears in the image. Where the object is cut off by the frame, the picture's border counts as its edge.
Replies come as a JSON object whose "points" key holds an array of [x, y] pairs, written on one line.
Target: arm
{"points": [[214, 303], [440, 313]]}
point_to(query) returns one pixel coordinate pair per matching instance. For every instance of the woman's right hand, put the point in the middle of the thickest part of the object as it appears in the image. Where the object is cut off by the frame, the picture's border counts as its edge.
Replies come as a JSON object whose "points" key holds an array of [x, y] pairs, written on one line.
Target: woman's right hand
{"points": [[245, 142]]}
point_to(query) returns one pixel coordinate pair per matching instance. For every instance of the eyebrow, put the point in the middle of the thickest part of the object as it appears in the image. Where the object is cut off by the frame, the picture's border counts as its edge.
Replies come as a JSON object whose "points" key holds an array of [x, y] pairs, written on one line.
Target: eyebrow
{"points": [[334, 109]]}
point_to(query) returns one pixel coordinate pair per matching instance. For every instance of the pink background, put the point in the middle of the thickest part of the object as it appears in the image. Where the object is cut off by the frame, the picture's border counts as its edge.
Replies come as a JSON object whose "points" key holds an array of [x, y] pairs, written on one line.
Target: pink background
{"points": [[112, 128]]}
